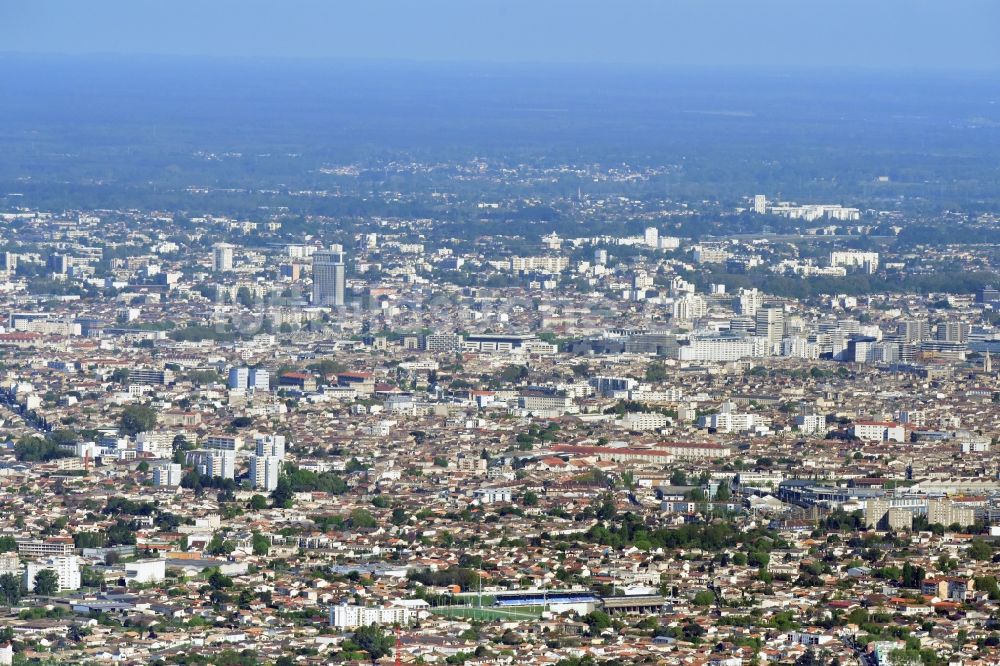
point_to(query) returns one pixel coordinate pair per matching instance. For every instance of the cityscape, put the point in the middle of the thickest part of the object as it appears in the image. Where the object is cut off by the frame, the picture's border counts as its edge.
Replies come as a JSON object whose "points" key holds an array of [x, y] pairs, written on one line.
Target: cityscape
{"points": [[568, 385]]}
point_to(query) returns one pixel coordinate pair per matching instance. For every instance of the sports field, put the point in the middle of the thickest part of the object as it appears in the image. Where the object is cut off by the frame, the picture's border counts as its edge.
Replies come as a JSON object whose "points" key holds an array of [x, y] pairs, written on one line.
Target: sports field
{"points": [[488, 613]]}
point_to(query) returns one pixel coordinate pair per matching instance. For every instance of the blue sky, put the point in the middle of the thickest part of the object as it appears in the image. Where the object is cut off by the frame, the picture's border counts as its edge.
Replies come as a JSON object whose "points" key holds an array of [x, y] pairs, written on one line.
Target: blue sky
{"points": [[911, 34]]}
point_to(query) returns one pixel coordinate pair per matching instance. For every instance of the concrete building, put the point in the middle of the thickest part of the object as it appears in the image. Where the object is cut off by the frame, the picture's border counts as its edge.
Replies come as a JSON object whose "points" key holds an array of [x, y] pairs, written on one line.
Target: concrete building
{"points": [[759, 204], [329, 277], [941, 511], [651, 237], [811, 424], [722, 348], [66, 567], [878, 431], [770, 323], [867, 261], [264, 472], [152, 570], [167, 475], [238, 378], [224, 442], [269, 445], [220, 463], [539, 264], [222, 257], [349, 616]]}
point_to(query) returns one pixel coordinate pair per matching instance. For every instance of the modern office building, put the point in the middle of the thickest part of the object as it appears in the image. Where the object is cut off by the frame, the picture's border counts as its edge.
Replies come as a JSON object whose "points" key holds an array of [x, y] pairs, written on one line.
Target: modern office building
{"points": [[913, 330], [770, 324], [953, 331], [329, 275], [259, 379], [442, 342]]}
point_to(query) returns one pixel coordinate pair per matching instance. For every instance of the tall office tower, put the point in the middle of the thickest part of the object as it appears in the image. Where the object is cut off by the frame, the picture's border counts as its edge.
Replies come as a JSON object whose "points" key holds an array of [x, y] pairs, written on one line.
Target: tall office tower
{"points": [[953, 331], [328, 277], [8, 261], [222, 257], [601, 257], [759, 204], [913, 330], [652, 237], [58, 263], [770, 323]]}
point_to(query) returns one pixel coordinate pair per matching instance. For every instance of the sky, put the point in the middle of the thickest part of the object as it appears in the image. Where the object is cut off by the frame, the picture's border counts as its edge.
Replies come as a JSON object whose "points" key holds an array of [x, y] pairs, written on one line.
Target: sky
{"points": [[878, 34]]}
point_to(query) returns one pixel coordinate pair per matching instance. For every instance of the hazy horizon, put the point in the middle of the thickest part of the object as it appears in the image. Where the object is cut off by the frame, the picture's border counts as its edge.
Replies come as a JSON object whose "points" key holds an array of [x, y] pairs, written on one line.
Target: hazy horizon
{"points": [[897, 34]]}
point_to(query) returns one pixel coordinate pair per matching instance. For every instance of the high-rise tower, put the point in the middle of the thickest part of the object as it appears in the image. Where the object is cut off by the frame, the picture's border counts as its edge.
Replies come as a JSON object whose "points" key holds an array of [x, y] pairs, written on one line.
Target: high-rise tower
{"points": [[329, 277]]}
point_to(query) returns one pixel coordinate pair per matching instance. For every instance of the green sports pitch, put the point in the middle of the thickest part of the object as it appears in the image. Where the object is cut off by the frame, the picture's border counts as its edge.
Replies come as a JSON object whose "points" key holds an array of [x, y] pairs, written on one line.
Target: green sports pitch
{"points": [[490, 613]]}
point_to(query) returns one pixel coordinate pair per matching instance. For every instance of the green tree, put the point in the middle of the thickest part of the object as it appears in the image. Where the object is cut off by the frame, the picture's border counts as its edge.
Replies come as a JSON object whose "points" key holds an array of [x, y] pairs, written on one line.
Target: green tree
{"points": [[10, 589], [704, 598], [362, 518], [597, 621], [980, 550], [136, 419], [374, 641], [46, 583], [219, 581], [258, 503], [261, 544], [530, 498], [656, 372]]}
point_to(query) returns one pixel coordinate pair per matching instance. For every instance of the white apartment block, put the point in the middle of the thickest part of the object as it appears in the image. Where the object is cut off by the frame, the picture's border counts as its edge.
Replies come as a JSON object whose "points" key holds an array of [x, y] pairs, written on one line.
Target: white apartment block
{"points": [[724, 349], [264, 472], [349, 616], [220, 463], [539, 264], [67, 568], [879, 431], [224, 442], [167, 475], [270, 445], [855, 259], [641, 421], [811, 424]]}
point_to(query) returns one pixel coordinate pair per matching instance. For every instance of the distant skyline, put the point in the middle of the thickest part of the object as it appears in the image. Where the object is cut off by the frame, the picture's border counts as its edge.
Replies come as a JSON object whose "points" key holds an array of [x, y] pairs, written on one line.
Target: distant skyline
{"points": [[890, 34]]}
